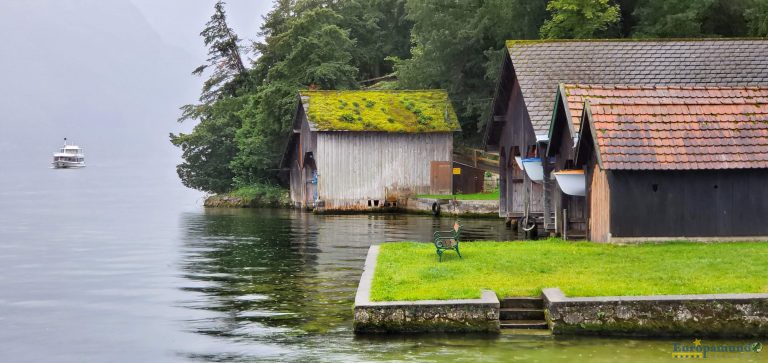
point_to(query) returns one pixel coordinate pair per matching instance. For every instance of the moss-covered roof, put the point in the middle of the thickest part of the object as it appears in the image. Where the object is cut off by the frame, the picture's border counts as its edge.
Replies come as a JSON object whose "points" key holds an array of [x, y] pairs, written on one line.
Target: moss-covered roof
{"points": [[380, 110]]}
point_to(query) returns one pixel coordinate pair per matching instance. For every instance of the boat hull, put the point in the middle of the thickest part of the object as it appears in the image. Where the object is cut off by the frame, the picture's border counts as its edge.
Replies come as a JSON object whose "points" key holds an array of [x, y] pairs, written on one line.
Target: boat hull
{"points": [[572, 182], [67, 165], [534, 169]]}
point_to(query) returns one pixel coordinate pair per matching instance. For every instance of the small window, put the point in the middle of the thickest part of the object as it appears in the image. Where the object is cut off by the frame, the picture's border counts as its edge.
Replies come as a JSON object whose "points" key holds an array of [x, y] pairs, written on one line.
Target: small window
{"points": [[375, 202]]}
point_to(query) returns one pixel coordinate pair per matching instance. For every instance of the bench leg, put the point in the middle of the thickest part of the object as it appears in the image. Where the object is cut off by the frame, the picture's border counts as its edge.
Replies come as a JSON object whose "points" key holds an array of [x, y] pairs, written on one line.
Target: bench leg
{"points": [[439, 255], [457, 251]]}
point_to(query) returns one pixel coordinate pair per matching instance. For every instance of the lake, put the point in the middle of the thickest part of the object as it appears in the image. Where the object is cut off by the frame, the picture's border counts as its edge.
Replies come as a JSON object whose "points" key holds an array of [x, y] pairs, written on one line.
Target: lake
{"points": [[122, 264]]}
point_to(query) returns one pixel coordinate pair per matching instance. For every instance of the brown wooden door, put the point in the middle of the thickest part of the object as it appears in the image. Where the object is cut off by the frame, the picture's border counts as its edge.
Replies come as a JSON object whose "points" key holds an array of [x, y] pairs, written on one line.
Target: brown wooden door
{"points": [[440, 177]]}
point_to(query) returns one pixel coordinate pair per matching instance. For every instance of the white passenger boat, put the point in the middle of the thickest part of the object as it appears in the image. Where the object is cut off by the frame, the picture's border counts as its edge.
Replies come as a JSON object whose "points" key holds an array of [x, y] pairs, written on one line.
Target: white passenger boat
{"points": [[69, 156]]}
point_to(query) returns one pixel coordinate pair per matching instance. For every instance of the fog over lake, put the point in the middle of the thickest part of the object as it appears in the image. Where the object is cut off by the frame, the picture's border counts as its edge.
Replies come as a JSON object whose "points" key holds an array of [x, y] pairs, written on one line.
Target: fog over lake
{"points": [[109, 75]]}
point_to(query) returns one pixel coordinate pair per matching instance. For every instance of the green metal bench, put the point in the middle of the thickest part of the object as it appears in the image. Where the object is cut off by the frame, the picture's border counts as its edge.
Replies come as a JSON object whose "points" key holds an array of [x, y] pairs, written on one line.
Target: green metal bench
{"points": [[448, 240]]}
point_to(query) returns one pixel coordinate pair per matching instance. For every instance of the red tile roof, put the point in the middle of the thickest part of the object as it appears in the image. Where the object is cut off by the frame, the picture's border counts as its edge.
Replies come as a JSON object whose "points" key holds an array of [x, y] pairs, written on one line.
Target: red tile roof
{"points": [[677, 128]]}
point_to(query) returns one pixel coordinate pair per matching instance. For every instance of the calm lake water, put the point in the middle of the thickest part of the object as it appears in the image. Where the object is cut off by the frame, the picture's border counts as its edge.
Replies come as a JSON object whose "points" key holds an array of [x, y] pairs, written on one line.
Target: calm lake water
{"points": [[119, 264]]}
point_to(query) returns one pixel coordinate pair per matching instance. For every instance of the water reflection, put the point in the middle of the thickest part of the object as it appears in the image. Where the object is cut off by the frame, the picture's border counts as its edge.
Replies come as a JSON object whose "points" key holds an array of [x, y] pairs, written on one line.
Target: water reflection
{"points": [[278, 276], [268, 285]]}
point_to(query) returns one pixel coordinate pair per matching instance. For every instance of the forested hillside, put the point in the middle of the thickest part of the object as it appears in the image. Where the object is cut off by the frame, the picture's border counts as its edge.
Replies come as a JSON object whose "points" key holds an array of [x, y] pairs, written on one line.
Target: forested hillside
{"points": [[246, 106]]}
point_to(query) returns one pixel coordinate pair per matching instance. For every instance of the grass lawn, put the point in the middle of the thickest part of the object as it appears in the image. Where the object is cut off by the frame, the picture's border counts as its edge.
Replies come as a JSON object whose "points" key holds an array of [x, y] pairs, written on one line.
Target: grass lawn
{"points": [[410, 271], [477, 196]]}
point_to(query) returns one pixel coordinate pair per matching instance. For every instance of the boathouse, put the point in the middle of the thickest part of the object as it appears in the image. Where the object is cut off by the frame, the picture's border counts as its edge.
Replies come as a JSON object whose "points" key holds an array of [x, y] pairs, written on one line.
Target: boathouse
{"points": [[664, 163], [568, 192], [522, 109], [362, 150]]}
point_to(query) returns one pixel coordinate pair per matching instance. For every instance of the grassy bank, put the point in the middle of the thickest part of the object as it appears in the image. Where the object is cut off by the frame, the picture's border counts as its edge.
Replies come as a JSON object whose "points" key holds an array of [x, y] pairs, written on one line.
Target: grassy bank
{"points": [[410, 271], [253, 195], [477, 196]]}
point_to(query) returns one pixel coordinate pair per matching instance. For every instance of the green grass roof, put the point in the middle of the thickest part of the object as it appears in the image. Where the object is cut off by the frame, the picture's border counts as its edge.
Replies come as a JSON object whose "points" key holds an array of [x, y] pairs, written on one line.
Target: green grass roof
{"points": [[381, 110]]}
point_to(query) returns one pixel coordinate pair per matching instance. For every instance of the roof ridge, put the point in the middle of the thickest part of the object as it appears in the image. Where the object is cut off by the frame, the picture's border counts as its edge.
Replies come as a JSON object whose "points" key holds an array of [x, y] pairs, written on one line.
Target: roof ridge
{"points": [[510, 43], [663, 87]]}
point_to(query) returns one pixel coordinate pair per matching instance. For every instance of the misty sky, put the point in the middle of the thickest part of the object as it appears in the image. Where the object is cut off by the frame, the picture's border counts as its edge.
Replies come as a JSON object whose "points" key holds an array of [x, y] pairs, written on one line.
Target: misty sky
{"points": [[110, 75], [179, 21]]}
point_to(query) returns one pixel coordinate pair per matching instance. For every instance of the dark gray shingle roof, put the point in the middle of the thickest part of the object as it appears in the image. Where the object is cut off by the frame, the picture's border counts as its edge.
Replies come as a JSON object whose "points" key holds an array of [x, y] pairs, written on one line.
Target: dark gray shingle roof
{"points": [[541, 65]]}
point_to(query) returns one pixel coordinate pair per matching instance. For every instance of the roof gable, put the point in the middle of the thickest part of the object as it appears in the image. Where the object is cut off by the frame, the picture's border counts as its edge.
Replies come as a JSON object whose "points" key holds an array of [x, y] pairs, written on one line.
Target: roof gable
{"points": [[563, 120], [541, 65], [383, 111], [677, 128]]}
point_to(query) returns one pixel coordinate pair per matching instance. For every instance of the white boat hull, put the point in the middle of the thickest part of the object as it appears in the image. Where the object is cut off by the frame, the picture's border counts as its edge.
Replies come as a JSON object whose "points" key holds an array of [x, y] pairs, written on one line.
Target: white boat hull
{"points": [[67, 164], [572, 183], [534, 169]]}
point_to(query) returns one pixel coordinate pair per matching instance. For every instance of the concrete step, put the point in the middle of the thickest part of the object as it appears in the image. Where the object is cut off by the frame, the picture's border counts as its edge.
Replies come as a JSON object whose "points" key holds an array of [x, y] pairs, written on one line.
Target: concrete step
{"points": [[523, 324], [529, 332], [521, 314], [522, 303]]}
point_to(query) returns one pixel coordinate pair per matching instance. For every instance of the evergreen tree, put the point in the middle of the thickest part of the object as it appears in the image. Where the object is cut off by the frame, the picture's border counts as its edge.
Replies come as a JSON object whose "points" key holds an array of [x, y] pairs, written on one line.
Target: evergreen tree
{"points": [[223, 56], [380, 29], [210, 148], [305, 46]]}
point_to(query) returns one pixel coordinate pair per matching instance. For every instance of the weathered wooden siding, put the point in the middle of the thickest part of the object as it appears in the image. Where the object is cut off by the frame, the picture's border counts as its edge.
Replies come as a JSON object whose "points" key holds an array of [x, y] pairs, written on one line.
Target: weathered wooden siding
{"points": [[355, 167], [297, 194], [599, 196], [298, 165], [562, 149], [470, 180], [516, 189], [503, 182], [517, 134]]}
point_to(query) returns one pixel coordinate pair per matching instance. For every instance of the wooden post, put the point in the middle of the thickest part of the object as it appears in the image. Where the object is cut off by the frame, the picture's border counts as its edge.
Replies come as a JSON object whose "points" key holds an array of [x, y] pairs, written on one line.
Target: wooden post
{"points": [[565, 224]]}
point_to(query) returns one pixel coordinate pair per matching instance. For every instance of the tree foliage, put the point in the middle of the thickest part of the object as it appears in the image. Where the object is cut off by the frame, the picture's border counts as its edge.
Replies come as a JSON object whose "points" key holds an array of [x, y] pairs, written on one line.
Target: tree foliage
{"points": [[579, 19], [209, 149], [756, 15], [671, 18], [223, 55], [458, 43]]}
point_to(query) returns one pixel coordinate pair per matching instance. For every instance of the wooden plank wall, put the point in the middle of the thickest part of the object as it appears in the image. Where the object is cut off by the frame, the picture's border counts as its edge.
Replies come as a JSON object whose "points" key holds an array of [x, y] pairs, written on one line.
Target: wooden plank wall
{"points": [[297, 191], [689, 203], [518, 132], [515, 184], [599, 205], [354, 167], [306, 143], [470, 180], [503, 183]]}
